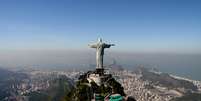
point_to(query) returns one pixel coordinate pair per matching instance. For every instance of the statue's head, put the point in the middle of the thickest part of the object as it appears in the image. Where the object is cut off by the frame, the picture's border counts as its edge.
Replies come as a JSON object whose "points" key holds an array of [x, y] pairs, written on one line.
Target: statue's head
{"points": [[99, 40]]}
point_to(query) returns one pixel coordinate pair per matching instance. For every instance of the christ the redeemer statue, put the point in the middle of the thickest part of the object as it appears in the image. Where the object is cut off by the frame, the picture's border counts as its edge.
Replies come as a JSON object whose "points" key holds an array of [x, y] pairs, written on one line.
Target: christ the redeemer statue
{"points": [[100, 46]]}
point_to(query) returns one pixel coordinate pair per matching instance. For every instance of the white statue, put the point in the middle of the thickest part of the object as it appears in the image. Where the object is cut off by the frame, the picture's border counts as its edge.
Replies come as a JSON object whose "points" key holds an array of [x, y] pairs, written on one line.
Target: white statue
{"points": [[100, 46]]}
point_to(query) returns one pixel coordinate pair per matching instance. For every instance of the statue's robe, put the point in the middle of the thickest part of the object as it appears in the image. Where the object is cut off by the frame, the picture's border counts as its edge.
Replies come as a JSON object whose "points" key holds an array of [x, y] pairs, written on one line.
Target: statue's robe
{"points": [[99, 53]]}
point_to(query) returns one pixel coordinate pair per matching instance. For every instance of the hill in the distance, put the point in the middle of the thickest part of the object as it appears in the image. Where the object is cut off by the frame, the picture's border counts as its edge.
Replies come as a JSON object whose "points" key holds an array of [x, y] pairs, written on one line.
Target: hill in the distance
{"points": [[141, 83]]}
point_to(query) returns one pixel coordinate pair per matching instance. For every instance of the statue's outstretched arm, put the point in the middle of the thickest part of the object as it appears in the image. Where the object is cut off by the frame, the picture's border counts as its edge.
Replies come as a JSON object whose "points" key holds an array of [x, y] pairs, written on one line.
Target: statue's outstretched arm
{"points": [[92, 45], [108, 45]]}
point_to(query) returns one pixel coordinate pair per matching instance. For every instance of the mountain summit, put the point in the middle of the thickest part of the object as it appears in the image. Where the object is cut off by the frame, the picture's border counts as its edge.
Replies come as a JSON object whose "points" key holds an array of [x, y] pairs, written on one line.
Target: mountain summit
{"points": [[97, 85]]}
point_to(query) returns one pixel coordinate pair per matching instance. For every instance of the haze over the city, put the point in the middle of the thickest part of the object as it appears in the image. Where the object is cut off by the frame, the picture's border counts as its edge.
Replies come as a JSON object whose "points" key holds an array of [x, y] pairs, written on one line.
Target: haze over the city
{"points": [[165, 33]]}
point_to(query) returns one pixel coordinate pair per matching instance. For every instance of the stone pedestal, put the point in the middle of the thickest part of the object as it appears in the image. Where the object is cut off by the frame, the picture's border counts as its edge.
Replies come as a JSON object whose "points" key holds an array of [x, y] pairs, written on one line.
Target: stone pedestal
{"points": [[99, 71]]}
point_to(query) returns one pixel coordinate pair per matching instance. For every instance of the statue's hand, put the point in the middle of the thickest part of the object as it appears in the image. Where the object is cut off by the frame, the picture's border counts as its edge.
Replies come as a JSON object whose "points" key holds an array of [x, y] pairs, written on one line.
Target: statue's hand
{"points": [[112, 44]]}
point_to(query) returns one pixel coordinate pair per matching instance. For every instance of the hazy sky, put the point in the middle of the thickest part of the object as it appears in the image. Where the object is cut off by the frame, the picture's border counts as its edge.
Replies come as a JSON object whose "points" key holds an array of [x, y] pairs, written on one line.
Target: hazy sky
{"points": [[133, 25]]}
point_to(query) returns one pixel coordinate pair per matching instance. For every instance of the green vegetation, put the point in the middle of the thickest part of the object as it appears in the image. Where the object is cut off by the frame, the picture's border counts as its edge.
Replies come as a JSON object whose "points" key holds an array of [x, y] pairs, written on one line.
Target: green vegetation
{"points": [[85, 91]]}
